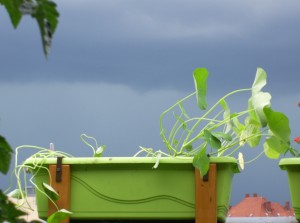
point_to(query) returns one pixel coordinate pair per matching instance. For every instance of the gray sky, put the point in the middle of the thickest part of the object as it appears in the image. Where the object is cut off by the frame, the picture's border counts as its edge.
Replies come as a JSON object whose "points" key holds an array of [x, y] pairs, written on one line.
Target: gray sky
{"points": [[115, 66]]}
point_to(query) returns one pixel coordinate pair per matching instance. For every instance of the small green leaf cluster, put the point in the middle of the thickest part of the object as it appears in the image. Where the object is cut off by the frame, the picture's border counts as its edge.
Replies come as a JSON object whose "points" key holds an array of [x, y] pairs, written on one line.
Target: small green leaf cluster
{"points": [[97, 150], [225, 132], [8, 211], [44, 11], [5, 154], [59, 215]]}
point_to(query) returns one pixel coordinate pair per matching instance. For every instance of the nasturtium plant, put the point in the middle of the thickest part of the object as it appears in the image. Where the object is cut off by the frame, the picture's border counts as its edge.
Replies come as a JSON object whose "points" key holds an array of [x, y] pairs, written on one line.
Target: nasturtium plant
{"points": [[218, 131]]}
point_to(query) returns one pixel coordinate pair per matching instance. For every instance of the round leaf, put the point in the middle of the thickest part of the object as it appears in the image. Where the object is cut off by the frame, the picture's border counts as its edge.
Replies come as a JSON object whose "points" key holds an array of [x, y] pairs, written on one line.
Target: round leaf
{"points": [[58, 216], [213, 141], [201, 161], [278, 124], [50, 192], [274, 147]]}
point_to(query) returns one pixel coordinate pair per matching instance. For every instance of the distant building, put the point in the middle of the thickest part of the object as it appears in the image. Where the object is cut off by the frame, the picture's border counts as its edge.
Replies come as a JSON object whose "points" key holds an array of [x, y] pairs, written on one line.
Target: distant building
{"points": [[257, 206], [258, 209]]}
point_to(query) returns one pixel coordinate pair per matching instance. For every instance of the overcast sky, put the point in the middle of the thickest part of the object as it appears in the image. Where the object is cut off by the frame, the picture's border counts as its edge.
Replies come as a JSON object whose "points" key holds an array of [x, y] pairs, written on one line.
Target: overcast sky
{"points": [[114, 66]]}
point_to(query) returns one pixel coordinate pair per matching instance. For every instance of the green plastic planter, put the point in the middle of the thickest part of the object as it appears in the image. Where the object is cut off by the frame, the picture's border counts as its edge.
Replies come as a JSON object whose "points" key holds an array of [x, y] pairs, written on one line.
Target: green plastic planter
{"points": [[129, 188], [292, 166]]}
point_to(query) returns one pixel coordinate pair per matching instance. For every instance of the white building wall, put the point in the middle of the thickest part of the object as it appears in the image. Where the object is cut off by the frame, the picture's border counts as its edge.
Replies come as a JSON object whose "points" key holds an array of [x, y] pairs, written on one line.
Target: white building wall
{"points": [[261, 220]]}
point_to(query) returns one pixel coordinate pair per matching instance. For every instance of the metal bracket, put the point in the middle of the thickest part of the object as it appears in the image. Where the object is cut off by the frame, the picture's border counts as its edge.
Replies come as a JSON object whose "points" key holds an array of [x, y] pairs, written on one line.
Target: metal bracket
{"points": [[58, 169]]}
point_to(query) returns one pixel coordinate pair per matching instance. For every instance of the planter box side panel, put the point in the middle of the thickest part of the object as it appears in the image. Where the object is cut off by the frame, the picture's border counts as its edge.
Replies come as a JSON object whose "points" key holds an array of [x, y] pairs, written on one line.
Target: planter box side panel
{"points": [[293, 172], [225, 173], [136, 191], [129, 191]]}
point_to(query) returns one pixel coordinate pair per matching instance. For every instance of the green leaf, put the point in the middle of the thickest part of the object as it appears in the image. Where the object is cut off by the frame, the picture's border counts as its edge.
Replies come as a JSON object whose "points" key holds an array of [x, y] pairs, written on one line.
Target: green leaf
{"points": [[274, 147], [175, 143], [260, 99], [201, 161], [188, 147], [260, 80], [5, 154], [278, 124], [251, 111], [50, 192], [226, 116], [222, 135], [12, 7], [291, 150], [99, 151], [251, 133], [58, 216], [237, 126], [46, 15], [200, 77], [213, 141]]}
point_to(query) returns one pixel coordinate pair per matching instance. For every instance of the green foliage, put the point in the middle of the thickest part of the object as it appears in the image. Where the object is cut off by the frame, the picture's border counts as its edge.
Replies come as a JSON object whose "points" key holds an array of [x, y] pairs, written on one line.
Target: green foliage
{"points": [[12, 8], [50, 191], [8, 211], [97, 150], [58, 216], [279, 140], [201, 161], [278, 124], [47, 17], [43, 11], [212, 140], [5, 154], [224, 132]]}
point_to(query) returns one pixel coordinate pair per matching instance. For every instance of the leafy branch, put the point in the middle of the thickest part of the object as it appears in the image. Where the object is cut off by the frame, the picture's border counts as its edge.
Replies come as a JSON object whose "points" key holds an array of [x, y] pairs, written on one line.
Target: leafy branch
{"points": [[8, 211], [43, 11], [221, 130]]}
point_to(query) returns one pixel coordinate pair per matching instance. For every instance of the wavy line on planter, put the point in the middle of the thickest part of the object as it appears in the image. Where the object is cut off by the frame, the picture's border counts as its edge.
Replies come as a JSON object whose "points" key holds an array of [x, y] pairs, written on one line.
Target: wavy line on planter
{"points": [[143, 200]]}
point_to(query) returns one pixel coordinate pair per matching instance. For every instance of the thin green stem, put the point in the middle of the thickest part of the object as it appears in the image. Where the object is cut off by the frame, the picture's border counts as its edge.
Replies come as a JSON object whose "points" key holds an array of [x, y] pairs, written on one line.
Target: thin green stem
{"points": [[169, 147], [209, 111], [255, 158]]}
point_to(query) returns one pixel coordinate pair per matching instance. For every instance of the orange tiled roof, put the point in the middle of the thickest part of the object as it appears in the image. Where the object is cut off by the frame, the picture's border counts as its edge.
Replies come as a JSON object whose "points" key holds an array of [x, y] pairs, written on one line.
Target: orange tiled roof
{"points": [[257, 206]]}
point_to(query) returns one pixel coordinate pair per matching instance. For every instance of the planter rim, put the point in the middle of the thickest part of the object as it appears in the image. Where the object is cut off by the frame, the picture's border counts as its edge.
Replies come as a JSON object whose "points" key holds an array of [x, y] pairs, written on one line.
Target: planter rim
{"points": [[283, 163], [129, 160]]}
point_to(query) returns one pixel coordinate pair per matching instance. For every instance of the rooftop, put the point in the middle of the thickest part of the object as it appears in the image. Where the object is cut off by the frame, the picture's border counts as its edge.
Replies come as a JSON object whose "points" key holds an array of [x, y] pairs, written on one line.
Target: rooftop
{"points": [[258, 206]]}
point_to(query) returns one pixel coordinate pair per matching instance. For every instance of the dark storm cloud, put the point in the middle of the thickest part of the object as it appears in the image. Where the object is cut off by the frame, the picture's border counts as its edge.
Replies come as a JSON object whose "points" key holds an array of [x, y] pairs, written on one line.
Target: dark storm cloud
{"points": [[148, 45]]}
